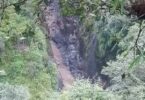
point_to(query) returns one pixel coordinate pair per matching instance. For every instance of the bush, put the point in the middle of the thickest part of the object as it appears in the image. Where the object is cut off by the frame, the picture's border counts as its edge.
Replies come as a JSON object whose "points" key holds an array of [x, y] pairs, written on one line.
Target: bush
{"points": [[84, 90], [11, 92]]}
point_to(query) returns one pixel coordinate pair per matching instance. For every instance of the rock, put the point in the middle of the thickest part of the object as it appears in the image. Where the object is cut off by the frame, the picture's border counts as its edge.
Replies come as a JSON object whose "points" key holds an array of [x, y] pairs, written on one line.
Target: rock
{"points": [[59, 40]]}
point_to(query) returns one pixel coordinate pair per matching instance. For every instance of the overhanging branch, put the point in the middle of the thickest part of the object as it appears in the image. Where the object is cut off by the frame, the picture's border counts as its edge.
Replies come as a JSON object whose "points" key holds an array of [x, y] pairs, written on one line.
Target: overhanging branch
{"points": [[17, 3], [139, 33], [138, 36]]}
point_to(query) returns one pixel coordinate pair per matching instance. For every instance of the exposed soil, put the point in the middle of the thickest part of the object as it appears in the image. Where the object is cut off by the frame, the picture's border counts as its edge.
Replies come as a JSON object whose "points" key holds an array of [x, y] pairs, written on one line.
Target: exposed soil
{"points": [[63, 71]]}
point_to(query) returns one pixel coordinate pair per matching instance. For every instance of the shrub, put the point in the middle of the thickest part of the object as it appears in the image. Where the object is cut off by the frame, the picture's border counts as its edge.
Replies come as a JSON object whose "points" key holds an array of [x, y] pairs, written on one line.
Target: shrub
{"points": [[84, 90], [13, 92]]}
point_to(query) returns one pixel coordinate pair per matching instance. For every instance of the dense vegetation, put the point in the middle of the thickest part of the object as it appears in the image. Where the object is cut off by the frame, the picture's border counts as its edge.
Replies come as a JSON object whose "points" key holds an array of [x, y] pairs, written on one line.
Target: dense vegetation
{"points": [[121, 36], [28, 73], [23, 48]]}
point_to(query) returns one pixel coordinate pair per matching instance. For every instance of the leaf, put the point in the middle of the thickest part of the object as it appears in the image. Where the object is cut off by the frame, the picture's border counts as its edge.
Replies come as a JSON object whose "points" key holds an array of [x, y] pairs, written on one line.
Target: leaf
{"points": [[135, 62], [93, 15]]}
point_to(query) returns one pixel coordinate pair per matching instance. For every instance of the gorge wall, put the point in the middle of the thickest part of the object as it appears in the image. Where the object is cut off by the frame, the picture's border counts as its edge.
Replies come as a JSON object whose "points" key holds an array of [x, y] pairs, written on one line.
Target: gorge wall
{"points": [[67, 46]]}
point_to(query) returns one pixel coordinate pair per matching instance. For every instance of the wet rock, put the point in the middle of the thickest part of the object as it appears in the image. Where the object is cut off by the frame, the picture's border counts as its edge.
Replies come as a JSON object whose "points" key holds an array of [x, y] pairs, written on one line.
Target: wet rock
{"points": [[70, 45], [60, 84], [59, 40], [92, 67], [2, 46]]}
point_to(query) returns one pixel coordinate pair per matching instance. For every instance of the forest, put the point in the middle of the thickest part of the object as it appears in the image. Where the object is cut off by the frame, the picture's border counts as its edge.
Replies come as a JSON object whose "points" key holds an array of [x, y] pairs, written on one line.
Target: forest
{"points": [[72, 49]]}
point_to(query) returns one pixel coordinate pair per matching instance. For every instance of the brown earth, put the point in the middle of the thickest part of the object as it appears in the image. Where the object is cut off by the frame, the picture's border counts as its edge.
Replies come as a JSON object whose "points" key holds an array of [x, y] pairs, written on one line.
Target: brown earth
{"points": [[63, 70]]}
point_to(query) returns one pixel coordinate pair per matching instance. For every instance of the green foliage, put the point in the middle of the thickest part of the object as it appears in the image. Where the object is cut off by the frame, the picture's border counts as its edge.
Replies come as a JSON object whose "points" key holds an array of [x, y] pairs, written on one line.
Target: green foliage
{"points": [[126, 73], [30, 68], [96, 18], [94, 7], [110, 30], [117, 6], [23, 49], [114, 32], [24, 61], [13, 92], [84, 90], [128, 83], [71, 7]]}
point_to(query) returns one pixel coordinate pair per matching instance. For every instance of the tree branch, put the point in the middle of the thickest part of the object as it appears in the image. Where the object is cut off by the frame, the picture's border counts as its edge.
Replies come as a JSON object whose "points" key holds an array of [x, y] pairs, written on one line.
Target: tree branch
{"points": [[139, 33], [138, 36], [17, 3]]}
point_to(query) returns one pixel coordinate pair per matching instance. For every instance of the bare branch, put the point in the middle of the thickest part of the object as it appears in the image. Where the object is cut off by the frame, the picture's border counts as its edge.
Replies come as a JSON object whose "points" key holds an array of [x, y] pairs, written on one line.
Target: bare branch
{"points": [[138, 36], [139, 33]]}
